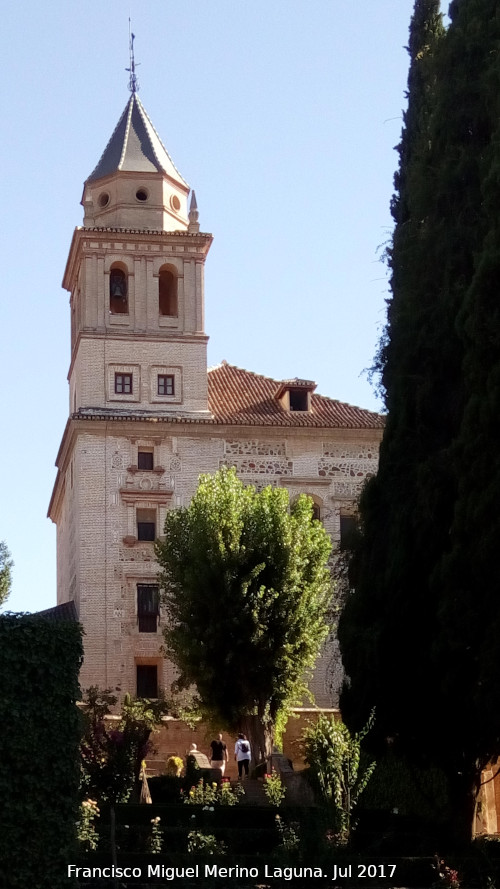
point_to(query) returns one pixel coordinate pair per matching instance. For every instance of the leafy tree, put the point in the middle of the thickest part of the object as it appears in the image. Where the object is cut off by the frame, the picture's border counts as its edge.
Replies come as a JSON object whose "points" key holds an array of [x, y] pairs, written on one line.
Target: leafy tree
{"points": [[6, 565], [112, 752], [334, 757], [421, 628], [247, 593]]}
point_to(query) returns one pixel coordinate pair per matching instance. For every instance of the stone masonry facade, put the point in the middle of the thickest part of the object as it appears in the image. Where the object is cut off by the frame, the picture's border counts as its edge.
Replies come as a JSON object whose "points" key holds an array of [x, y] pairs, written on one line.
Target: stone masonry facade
{"points": [[146, 416], [107, 492]]}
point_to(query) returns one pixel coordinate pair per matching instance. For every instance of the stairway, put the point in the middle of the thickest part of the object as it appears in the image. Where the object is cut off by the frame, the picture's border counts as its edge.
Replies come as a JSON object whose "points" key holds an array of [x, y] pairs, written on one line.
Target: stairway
{"points": [[254, 793]]}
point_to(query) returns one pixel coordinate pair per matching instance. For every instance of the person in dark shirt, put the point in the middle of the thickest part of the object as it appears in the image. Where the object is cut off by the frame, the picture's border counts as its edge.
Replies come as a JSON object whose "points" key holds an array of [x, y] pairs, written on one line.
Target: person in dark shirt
{"points": [[219, 754]]}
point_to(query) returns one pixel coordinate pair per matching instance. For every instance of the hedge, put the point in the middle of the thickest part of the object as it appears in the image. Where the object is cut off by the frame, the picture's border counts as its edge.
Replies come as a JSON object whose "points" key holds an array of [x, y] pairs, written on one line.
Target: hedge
{"points": [[39, 739]]}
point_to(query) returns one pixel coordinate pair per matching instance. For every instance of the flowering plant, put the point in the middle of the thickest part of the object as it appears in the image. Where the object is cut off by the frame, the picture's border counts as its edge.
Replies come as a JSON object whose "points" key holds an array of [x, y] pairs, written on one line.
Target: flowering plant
{"points": [[155, 839], [273, 788], [209, 795], [174, 766], [448, 877], [204, 844]]}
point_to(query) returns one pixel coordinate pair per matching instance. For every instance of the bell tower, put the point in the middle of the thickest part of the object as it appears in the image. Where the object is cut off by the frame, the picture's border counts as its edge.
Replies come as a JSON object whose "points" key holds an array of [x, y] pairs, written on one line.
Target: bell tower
{"points": [[137, 378], [135, 277]]}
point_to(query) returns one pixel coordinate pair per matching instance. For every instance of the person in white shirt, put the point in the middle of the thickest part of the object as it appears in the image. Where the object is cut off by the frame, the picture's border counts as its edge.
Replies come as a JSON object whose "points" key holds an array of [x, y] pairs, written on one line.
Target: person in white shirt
{"points": [[242, 754]]}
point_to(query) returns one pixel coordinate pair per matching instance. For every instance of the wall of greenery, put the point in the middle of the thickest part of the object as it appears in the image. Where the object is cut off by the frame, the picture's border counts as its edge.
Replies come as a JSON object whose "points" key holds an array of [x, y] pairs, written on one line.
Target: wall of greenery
{"points": [[39, 774]]}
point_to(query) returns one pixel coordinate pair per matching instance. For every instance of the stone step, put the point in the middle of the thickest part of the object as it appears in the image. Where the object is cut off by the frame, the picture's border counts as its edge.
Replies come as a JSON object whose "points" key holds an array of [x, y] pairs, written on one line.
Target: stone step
{"points": [[254, 793]]}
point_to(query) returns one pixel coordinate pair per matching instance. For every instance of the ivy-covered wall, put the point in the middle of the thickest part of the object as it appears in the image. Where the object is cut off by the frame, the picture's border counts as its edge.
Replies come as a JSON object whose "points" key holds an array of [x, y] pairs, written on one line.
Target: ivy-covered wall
{"points": [[39, 737]]}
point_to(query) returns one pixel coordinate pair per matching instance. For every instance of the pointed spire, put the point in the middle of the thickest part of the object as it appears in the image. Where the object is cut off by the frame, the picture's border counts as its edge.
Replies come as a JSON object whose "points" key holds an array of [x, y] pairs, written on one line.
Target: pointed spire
{"points": [[135, 147], [194, 225], [133, 83]]}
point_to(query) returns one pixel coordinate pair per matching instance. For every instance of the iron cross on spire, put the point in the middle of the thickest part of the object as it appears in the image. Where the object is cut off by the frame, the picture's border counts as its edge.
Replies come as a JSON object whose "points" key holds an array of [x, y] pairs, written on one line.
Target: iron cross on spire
{"points": [[133, 83]]}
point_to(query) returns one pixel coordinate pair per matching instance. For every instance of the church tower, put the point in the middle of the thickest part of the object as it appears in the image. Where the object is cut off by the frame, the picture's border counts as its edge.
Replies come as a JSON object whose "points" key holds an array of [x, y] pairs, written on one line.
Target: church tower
{"points": [[138, 358], [146, 416]]}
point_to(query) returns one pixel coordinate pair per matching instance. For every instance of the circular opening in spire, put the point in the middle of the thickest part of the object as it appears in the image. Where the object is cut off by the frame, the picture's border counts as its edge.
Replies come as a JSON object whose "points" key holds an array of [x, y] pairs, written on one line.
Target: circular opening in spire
{"points": [[141, 194], [175, 203], [103, 199]]}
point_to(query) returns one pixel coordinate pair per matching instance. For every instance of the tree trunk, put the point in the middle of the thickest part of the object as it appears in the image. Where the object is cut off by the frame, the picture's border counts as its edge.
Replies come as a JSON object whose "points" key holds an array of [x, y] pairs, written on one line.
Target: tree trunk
{"points": [[464, 791], [260, 733]]}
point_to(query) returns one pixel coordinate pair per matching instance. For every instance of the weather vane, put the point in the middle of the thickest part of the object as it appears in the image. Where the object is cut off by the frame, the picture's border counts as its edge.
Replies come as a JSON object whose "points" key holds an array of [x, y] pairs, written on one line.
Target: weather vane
{"points": [[133, 83]]}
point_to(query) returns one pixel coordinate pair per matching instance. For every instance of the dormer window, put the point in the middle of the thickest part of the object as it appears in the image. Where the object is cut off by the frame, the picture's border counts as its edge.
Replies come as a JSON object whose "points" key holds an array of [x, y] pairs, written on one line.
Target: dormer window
{"points": [[118, 292], [295, 395], [298, 399]]}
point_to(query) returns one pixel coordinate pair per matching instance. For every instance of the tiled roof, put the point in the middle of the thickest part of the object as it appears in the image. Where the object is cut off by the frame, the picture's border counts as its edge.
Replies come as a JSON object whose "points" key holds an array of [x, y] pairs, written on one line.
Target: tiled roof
{"points": [[240, 397], [135, 146]]}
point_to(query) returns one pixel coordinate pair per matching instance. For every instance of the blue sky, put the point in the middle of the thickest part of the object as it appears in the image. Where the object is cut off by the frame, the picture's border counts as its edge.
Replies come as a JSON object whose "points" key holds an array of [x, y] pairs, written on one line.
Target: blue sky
{"points": [[282, 114]]}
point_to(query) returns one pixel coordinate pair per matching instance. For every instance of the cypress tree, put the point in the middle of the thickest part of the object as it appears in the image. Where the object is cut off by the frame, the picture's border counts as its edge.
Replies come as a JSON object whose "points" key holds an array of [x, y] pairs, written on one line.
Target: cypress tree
{"points": [[468, 617], [409, 643]]}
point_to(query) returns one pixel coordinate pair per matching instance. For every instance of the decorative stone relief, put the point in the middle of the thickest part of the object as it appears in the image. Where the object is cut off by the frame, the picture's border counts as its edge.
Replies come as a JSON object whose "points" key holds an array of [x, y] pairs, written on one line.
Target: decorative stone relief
{"points": [[259, 448], [175, 464], [117, 461], [346, 490], [260, 467], [346, 469], [341, 451]]}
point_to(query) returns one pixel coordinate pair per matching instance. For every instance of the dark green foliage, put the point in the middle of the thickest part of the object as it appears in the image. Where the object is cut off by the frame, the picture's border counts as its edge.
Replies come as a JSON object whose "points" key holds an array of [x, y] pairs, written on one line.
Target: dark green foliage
{"points": [[247, 593], [112, 750], [334, 756], [421, 630], [6, 565], [398, 787], [39, 777]]}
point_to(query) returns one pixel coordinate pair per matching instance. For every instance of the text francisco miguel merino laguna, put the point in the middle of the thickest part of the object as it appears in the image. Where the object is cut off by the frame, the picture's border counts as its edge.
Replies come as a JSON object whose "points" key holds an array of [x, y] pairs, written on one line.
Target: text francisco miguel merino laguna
{"points": [[201, 871]]}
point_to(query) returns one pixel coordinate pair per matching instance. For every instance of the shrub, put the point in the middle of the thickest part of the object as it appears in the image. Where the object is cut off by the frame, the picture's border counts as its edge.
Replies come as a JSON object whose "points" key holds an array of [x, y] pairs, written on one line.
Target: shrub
{"points": [[334, 757], [39, 664]]}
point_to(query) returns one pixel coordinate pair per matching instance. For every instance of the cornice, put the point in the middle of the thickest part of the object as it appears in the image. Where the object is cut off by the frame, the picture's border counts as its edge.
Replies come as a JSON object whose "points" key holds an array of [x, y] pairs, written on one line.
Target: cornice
{"points": [[202, 240]]}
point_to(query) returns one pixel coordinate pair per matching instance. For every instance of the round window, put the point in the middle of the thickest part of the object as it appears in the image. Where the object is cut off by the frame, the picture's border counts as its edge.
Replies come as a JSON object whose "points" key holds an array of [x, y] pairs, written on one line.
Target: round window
{"points": [[175, 202], [103, 199], [141, 194]]}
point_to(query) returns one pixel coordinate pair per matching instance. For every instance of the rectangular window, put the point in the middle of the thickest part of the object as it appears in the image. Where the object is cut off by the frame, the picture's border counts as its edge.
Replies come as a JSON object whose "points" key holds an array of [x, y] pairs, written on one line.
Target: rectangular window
{"points": [[147, 680], [123, 384], [166, 384], [145, 460], [299, 400], [148, 607], [146, 524], [347, 531]]}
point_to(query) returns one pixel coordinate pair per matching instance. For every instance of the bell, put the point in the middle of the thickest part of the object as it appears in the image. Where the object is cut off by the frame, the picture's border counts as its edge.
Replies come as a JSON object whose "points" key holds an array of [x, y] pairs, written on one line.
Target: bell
{"points": [[118, 286]]}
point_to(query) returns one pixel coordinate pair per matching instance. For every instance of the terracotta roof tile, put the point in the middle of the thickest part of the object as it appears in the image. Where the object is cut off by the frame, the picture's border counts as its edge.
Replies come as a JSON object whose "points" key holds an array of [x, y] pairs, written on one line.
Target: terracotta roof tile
{"points": [[240, 397]]}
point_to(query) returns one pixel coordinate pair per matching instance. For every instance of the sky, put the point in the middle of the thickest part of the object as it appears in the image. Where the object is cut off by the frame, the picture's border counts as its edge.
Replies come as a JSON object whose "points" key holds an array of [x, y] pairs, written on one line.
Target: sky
{"points": [[281, 114]]}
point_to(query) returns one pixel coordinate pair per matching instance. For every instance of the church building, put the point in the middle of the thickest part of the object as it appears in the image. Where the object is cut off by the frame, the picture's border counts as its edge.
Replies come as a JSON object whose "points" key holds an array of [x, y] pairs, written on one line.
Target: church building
{"points": [[147, 416]]}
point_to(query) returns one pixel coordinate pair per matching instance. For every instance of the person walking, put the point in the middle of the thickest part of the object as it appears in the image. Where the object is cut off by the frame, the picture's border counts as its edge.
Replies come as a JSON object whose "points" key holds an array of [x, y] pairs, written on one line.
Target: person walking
{"points": [[219, 755], [242, 754]]}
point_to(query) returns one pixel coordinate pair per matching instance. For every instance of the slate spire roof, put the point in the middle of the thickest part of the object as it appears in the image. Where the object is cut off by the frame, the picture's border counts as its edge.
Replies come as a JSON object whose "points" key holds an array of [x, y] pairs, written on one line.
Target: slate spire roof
{"points": [[135, 147]]}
